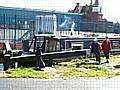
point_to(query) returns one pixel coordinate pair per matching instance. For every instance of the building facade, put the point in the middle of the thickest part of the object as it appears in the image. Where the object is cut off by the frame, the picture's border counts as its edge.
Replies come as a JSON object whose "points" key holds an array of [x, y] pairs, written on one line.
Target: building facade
{"points": [[19, 23]]}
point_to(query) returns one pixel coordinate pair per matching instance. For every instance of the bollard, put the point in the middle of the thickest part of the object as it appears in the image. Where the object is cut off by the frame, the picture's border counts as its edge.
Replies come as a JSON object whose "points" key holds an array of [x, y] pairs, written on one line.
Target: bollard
{"points": [[6, 61]]}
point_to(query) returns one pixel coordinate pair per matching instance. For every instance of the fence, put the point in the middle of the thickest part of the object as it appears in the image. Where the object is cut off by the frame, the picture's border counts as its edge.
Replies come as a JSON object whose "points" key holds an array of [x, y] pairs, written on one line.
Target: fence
{"points": [[15, 28]]}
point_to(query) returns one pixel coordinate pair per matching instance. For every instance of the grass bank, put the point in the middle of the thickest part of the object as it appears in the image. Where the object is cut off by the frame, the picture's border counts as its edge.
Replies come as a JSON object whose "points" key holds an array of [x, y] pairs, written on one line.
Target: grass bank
{"points": [[76, 68]]}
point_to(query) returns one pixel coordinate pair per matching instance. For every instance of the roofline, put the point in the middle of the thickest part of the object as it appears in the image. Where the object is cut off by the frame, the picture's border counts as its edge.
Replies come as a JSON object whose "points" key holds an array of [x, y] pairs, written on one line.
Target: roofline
{"points": [[30, 9]]}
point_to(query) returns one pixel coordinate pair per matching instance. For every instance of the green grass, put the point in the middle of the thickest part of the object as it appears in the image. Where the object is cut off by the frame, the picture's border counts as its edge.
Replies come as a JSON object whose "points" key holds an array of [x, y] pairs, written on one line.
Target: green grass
{"points": [[86, 68], [76, 68], [26, 73]]}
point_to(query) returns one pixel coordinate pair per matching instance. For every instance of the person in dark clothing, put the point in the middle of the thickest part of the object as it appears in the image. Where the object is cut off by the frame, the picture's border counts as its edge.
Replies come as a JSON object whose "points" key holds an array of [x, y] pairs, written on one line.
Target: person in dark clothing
{"points": [[39, 61], [106, 47], [95, 49]]}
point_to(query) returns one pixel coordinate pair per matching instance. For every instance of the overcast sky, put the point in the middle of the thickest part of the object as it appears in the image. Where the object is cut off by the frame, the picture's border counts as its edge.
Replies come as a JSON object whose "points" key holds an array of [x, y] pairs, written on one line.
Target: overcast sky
{"points": [[110, 8]]}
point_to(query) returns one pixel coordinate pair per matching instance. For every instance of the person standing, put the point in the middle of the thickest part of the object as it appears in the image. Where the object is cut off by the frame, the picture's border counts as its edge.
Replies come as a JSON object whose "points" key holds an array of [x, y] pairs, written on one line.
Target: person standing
{"points": [[106, 47], [95, 49]]}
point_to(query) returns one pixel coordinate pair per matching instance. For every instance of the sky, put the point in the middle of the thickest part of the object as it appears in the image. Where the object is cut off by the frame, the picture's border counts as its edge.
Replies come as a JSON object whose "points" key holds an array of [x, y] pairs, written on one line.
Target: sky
{"points": [[110, 8]]}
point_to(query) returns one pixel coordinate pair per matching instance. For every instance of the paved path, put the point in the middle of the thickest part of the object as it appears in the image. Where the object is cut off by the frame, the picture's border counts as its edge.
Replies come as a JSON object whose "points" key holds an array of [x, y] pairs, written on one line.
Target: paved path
{"points": [[59, 84]]}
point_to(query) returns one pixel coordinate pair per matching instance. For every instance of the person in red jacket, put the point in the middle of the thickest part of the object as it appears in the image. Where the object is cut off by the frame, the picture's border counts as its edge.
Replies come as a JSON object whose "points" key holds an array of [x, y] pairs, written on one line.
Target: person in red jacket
{"points": [[106, 47]]}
